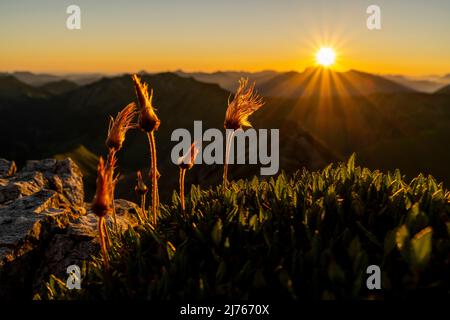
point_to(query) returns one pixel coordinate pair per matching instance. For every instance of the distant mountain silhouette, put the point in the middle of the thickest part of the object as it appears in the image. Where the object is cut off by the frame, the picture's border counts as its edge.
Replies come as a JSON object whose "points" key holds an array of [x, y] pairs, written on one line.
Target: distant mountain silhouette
{"points": [[76, 123], [422, 85], [58, 87], [325, 82], [229, 79], [14, 90], [40, 79], [82, 78], [394, 128], [312, 81], [35, 79], [444, 90]]}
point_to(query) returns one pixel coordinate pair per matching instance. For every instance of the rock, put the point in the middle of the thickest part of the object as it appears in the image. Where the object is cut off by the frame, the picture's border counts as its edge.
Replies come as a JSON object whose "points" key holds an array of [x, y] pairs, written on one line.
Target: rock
{"points": [[17, 227], [45, 226], [80, 242], [72, 181], [24, 184], [7, 168], [126, 214], [63, 176], [86, 225], [46, 165], [37, 203]]}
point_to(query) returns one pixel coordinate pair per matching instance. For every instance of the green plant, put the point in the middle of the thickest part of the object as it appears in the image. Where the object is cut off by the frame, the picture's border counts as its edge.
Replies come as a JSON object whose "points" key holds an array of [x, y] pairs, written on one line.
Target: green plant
{"points": [[309, 235]]}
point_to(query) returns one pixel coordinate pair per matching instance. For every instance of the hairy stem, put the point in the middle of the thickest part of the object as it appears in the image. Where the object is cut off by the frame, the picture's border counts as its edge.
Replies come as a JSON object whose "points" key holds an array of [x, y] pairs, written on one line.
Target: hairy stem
{"points": [[111, 155], [154, 177], [227, 156], [182, 174], [106, 233], [143, 205], [101, 230]]}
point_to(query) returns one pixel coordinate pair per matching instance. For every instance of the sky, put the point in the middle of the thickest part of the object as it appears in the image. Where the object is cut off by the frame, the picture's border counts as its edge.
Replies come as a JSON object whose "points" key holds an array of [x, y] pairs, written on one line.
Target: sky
{"points": [[210, 35]]}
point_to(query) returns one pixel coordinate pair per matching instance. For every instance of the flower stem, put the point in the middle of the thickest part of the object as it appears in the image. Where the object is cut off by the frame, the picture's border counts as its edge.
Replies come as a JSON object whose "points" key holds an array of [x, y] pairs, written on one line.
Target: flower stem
{"points": [[154, 172], [227, 156], [182, 174], [111, 155], [101, 230], [106, 232], [143, 213]]}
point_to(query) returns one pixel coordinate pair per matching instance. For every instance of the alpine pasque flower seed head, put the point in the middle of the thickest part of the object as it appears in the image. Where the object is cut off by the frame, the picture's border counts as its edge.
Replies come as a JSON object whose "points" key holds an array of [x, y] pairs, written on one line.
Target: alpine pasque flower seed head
{"points": [[244, 103], [148, 120], [102, 203], [119, 126], [187, 161]]}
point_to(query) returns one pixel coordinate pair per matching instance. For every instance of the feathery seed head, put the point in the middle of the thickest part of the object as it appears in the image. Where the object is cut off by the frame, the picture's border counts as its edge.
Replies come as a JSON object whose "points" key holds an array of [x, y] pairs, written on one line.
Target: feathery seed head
{"points": [[187, 161], [244, 103], [119, 126], [148, 120], [102, 203]]}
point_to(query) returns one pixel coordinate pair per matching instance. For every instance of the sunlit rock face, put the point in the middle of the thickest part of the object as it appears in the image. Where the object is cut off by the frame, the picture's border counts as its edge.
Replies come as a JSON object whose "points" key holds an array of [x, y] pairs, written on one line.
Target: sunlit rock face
{"points": [[45, 225]]}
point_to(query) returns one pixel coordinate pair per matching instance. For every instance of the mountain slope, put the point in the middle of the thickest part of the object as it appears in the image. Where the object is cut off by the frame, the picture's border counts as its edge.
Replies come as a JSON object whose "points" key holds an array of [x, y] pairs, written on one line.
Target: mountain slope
{"points": [[58, 87], [325, 82], [35, 79], [228, 80], [80, 118], [13, 90], [422, 85], [386, 130], [445, 90]]}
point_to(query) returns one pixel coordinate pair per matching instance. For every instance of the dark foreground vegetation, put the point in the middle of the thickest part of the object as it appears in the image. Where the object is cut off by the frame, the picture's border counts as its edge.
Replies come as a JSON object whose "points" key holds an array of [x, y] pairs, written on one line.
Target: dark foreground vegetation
{"points": [[310, 235]]}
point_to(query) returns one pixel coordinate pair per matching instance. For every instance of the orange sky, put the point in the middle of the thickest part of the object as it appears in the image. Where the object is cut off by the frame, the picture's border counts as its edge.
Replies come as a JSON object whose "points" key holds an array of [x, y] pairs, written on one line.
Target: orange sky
{"points": [[202, 35]]}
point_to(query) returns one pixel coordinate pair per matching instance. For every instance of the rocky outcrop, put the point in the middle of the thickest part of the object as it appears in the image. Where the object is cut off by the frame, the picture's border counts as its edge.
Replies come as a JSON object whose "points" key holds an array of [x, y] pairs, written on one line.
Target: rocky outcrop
{"points": [[7, 168], [45, 225]]}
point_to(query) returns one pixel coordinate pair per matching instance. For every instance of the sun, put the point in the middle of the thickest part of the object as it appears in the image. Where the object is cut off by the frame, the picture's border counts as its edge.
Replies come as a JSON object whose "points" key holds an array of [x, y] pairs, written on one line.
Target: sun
{"points": [[325, 57]]}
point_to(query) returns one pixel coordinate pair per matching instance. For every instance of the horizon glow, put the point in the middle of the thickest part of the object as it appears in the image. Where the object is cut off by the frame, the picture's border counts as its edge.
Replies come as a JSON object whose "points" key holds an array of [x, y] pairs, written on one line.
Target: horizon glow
{"points": [[200, 35]]}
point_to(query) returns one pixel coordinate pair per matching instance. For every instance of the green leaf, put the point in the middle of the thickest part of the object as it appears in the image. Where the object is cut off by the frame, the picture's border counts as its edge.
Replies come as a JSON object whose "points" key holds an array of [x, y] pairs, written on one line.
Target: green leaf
{"points": [[216, 232], [421, 247], [389, 242], [335, 273], [351, 163], [354, 248], [401, 237], [369, 234], [170, 249], [253, 223], [259, 281]]}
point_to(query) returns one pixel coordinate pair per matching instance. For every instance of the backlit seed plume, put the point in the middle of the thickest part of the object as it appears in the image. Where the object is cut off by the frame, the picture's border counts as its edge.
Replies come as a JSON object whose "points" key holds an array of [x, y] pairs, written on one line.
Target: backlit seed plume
{"points": [[148, 120], [244, 103], [119, 126], [102, 204], [187, 161]]}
